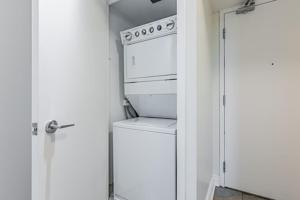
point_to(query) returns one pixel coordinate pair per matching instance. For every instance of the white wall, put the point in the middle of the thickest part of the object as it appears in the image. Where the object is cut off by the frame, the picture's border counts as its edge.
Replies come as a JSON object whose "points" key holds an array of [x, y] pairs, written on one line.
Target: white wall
{"points": [[161, 106], [205, 99], [117, 23], [15, 100]]}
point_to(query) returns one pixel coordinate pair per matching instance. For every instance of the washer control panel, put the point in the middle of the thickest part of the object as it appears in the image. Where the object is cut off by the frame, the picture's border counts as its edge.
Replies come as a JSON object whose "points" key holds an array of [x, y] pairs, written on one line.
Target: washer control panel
{"points": [[149, 31]]}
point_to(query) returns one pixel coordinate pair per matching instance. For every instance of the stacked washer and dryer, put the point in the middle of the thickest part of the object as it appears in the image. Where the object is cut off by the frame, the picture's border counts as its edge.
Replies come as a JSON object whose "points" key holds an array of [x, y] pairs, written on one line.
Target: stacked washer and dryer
{"points": [[144, 148]]}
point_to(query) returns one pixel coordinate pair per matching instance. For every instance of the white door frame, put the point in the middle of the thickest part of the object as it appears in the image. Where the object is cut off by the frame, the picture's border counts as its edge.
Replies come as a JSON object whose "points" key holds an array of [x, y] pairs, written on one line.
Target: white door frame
{"points": [[187, 100], [35, 165], [222, 85]]}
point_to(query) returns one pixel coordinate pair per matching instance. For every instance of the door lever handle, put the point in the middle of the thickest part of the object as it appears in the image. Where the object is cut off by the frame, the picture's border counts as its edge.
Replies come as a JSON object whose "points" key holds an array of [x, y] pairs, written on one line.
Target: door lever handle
{"points": [[65, 126], [52, 126]]}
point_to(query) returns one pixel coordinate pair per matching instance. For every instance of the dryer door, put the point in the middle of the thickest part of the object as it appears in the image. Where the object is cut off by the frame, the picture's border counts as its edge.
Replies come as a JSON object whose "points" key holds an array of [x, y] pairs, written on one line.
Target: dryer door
{"points": [[151, 60]]}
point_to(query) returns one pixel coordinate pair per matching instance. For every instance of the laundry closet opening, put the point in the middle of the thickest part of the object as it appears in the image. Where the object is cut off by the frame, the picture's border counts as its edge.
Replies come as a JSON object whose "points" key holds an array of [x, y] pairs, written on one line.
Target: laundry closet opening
{"points": [[143, 99]]}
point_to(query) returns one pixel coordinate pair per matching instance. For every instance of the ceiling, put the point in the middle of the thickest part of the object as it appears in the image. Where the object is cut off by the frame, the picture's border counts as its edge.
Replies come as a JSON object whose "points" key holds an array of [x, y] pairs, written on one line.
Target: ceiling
{"points": [[140, 12]]}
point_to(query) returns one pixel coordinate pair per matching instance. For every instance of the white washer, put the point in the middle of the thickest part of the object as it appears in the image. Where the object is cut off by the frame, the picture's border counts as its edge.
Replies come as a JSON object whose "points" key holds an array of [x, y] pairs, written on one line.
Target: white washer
{"points": [[144, 152]]}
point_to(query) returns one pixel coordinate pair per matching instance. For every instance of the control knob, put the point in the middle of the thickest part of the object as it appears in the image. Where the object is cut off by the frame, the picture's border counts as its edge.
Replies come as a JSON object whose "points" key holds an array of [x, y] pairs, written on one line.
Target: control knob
{"points": [[128, 36], [170, 25], [159, 27], [151, 29]]}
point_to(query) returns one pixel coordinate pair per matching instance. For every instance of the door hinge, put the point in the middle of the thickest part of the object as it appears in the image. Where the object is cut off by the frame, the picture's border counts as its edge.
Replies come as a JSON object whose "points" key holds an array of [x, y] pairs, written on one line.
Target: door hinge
{"points": [[34, 128], [224, 166], [224, 33], [224, 100], [247, 7]]}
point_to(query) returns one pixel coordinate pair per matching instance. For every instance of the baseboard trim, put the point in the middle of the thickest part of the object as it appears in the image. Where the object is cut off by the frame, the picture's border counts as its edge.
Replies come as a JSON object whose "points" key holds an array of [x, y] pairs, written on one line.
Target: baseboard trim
{"points": [[214, 182]]}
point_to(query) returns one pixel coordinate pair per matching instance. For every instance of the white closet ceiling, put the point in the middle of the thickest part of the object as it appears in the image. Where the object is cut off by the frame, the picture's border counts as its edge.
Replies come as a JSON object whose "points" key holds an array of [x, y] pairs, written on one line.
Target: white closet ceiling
{"points": [[140, 12]]}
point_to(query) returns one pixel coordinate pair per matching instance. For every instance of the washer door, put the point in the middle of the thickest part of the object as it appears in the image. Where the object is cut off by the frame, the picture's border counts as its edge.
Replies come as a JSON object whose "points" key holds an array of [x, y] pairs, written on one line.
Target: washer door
{"points": [[144, 165]]}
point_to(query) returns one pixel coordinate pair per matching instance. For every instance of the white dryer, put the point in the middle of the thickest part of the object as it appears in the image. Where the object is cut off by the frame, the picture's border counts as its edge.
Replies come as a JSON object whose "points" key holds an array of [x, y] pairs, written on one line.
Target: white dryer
{"points": [[150, 68], [144, 152], [150, 58]]}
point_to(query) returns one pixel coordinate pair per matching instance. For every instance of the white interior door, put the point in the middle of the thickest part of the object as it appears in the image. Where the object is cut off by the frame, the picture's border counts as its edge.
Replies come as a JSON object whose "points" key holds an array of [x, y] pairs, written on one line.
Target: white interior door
{"points": [[73, 89], [262, 79]]}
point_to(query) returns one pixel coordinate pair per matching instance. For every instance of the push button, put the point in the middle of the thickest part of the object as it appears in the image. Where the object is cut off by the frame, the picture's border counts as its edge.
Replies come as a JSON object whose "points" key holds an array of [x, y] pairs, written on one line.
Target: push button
{"points": [[151, 30], [159, 27]]}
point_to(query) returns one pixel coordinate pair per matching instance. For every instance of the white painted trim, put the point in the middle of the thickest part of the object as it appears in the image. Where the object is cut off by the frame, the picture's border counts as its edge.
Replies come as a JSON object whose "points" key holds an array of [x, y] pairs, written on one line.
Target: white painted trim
{"points": [[214, 182], [222, 109], [222, 85], [36, 187], [187, 100], [181, 159]]}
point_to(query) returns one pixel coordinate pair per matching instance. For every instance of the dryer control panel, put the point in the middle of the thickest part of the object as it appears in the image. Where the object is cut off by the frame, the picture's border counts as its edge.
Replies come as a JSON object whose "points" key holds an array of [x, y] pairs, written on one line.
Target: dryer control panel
{"points": [[166, 26]]}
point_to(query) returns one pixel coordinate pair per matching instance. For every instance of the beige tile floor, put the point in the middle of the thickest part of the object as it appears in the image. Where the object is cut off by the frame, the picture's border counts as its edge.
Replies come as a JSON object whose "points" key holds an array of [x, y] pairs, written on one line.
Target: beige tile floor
{"points": [[229, 194]]}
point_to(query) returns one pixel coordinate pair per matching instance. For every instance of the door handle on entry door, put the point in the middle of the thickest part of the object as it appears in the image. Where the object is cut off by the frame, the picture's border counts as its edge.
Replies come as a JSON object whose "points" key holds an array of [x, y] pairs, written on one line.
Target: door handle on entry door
{"points": [[52, 126]]}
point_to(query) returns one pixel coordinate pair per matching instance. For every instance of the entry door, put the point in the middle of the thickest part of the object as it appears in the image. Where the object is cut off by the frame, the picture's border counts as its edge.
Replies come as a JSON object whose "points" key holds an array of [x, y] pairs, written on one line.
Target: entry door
{"points": [[73, 90], [262, 87]]}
